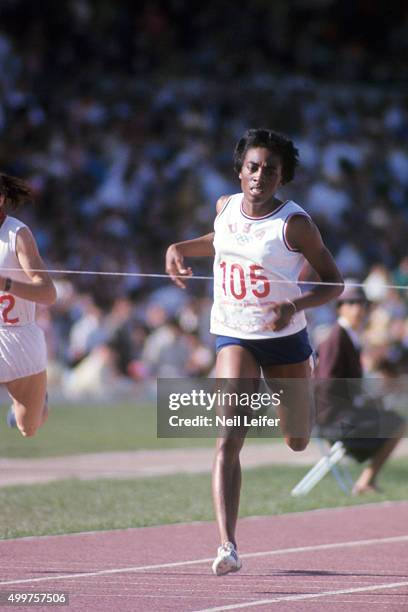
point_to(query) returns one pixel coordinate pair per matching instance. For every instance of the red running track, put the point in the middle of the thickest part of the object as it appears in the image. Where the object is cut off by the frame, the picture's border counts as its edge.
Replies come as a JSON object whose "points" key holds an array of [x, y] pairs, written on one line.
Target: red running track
{"points": [[342, 559]]}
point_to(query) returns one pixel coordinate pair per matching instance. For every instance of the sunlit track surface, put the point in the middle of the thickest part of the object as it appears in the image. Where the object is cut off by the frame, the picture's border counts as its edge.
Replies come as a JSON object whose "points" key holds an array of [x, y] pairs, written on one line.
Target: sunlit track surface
{"points": [[338, 559]]}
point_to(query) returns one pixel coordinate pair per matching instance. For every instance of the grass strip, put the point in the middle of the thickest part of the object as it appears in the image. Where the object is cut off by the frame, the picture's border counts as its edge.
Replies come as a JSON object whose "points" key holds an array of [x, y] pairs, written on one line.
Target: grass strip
{"points": [[73, 506]]}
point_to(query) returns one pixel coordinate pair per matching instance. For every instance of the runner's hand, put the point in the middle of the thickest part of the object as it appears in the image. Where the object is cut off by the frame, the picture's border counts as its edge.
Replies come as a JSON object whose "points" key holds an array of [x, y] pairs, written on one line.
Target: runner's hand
{"points": [[283, 312], [175, 266]]}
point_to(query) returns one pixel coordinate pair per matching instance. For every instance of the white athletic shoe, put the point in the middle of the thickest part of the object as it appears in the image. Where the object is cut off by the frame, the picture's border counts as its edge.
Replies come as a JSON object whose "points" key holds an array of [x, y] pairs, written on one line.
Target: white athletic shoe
{"points": [[227, 560]]}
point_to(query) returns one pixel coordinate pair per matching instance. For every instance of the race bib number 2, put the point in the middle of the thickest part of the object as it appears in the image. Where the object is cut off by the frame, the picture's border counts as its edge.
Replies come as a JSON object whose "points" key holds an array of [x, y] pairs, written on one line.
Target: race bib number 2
{"points": [[7, 303]]}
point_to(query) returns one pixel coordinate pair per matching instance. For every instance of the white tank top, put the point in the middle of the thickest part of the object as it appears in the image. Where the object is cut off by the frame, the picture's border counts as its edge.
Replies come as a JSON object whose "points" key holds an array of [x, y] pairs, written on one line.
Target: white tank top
{"points": [[14, 311], [250, 253]]}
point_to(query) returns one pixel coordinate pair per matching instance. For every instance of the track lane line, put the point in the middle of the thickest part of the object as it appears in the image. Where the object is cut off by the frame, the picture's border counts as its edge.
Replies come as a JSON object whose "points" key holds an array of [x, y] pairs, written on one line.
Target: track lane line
{"points": [[264, 602], [141, 568]]}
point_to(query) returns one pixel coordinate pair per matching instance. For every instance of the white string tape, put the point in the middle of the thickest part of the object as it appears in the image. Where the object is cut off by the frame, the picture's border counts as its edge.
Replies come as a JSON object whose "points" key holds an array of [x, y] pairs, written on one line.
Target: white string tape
{"points": [[187, 278]]}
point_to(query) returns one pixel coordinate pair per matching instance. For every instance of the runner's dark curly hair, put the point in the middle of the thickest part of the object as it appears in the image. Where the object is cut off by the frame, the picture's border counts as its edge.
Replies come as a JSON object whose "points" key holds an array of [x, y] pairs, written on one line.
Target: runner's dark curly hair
{"points": [[278, 143], [15, 190]]}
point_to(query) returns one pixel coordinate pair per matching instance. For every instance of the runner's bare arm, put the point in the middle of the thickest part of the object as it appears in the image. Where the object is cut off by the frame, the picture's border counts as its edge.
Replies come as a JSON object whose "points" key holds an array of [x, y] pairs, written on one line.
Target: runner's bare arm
{"points": [[41, 289], [303, 235], [197, 247]]}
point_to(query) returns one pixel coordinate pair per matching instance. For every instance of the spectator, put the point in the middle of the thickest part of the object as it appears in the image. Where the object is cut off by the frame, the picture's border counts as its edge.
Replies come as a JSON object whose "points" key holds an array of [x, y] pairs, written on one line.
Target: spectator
{"points": [[367, 432]]}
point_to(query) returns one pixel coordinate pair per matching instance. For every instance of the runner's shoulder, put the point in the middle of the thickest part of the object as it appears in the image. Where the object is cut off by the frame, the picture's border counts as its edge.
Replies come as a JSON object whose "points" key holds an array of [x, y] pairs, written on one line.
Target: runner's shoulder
{"points": [[221, 203]]}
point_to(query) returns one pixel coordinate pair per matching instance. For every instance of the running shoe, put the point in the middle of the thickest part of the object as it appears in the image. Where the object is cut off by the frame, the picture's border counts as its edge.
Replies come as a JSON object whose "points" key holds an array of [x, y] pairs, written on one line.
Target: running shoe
{"points": [[227, 560], [11, 418]]}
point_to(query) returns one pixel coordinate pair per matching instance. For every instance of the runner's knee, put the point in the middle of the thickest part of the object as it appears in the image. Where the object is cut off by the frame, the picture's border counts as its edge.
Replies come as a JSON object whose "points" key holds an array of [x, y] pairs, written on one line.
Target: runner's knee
{"points": [[297, 444], [28, 432]]}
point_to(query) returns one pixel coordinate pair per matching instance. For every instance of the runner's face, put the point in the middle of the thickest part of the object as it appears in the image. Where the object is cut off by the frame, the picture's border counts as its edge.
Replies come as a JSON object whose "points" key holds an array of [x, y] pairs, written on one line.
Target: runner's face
{"points": [[261, 174]]}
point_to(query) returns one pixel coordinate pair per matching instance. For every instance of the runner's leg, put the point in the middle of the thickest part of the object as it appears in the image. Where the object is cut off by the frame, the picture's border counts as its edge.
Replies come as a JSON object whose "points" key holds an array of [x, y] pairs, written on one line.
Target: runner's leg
{"points": [[296, 412], [28, 395], [236, 364]]}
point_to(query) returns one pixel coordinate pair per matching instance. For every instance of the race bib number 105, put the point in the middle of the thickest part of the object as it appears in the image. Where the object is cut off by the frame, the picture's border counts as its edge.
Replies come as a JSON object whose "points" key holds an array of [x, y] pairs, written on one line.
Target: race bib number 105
{"points": [[234, 281]]}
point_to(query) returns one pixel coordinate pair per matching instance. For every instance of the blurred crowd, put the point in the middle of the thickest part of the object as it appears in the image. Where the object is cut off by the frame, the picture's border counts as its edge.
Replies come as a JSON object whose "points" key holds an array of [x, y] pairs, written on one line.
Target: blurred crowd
{"points": [[123, 117]]}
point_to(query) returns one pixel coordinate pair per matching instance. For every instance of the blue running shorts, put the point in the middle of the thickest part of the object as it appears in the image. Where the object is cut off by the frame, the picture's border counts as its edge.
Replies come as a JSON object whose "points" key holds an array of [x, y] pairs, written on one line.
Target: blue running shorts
{"points": [[273, 351]]}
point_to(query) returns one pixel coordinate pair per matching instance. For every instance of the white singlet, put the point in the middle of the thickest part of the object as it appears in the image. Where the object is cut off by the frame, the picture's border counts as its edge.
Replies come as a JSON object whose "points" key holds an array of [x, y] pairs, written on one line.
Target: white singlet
{"points": [[22, 344], [250, 253], [13, 310]]}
